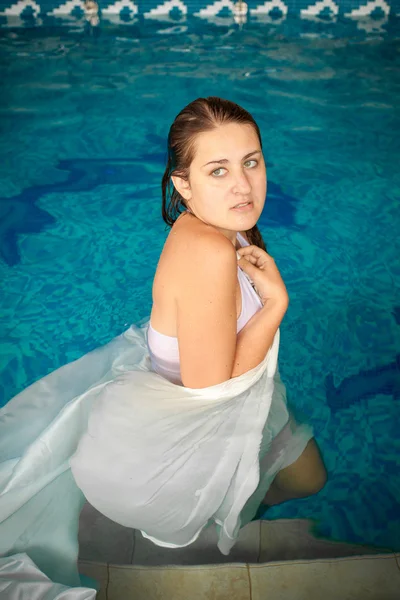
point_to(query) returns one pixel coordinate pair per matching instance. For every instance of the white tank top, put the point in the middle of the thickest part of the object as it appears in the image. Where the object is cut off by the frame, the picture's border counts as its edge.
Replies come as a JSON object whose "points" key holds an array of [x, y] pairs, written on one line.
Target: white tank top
{"points": [[164, 349]]}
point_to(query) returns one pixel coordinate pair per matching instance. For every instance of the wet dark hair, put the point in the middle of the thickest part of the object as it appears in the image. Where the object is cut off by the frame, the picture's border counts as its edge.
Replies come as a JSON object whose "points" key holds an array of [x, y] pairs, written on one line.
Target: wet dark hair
{"points": [[203, 114]]}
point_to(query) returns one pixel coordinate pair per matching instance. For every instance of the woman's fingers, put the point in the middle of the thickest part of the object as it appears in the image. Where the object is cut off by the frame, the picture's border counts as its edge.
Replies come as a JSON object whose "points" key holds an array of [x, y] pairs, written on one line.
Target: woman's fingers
{"points": [[263, 272], [244, 250], [252, 251], [255, 255], [248, 267], [249, 258]]}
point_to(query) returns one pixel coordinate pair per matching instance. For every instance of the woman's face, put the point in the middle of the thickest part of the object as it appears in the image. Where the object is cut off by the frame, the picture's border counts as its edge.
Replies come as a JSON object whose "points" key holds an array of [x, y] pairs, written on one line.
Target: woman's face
{"points": [[227, 179]]}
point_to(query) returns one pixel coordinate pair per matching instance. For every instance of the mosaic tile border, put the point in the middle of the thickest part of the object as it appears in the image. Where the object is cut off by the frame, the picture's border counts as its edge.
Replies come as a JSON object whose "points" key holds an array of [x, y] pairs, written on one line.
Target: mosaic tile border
{"points": [[155, 9]]}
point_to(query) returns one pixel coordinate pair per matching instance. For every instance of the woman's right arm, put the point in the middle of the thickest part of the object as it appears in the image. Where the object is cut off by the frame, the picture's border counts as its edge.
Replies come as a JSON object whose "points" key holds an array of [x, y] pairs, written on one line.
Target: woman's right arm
{"points": [[210, 349]]}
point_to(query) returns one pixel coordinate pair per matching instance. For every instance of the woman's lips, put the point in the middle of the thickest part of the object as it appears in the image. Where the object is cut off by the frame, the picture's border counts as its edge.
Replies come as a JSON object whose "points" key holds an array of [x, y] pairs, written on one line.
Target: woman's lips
{"points": [[244, 207]]}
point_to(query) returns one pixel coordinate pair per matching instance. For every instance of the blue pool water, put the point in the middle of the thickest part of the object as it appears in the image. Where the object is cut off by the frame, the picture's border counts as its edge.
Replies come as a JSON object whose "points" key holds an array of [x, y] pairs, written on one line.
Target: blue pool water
{"points": [[84, 118]]}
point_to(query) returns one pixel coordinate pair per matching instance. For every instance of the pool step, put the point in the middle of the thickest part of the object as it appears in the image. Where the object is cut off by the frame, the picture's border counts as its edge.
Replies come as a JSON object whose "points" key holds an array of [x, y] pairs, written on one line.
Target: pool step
{"points": [[104, 541], [272, 560], [353, 578]]}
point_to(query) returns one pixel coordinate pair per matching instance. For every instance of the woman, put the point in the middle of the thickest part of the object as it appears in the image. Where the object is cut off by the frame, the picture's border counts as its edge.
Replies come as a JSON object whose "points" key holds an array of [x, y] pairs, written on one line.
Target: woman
{"points": [[204, 442], [208, 324]]}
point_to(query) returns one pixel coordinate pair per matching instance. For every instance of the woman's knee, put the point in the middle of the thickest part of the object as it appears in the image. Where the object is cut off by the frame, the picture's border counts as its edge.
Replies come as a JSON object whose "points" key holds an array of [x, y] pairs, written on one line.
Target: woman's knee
{"points": [[305, 477], [302, 487], [319, 481]]}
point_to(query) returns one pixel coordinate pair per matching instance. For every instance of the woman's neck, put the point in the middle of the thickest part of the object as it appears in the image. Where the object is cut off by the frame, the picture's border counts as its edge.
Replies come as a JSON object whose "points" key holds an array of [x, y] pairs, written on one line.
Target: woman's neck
{"points": [[231, 235]]}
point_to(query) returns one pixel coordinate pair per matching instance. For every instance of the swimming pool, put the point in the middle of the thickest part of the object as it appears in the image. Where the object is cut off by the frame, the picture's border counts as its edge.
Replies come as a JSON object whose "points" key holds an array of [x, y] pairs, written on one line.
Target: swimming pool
{"points": [[84, 119]]}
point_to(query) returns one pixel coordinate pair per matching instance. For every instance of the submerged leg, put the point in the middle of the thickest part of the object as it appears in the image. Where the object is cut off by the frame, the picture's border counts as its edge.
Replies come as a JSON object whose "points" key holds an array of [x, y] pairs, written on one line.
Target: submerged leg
{"points": [[305, 477]]}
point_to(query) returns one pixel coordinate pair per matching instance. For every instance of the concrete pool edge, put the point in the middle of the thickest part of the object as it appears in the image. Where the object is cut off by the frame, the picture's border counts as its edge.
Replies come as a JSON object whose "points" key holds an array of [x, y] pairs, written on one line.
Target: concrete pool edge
{"points": [[373, 577]]}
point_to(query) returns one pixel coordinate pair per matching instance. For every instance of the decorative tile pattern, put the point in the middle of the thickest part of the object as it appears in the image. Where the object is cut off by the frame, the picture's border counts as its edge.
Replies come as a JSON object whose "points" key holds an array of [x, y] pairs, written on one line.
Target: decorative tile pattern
{"points": [[153, 9], [269, 6], [319, 7], [367, 9], [215, 8], [66, 8], [19, 7], [166, 8], [115, 8]]}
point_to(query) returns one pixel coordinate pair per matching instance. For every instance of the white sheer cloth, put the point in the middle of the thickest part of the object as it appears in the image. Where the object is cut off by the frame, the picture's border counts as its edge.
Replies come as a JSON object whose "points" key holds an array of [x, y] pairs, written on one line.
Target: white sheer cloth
{"points": [[151, 455], [20, 579], [166, 459]]}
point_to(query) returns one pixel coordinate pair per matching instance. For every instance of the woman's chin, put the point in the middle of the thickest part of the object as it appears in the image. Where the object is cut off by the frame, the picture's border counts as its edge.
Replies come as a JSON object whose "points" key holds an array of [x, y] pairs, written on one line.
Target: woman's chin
{"points": [[246, 217]]}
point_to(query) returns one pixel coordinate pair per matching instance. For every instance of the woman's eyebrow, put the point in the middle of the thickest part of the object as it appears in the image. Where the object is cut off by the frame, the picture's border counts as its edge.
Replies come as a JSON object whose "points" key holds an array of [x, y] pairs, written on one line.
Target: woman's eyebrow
{"points": [[223, 161]]}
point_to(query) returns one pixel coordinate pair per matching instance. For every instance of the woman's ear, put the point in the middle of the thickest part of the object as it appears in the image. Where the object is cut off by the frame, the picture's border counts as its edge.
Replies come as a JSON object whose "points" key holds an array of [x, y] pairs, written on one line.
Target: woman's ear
{"points": [[182, 186]]}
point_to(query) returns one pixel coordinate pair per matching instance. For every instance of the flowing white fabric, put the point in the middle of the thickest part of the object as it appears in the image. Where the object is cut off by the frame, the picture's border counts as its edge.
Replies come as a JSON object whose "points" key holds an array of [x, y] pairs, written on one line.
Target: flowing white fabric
{"points": [[166, 459], [155, 456], [40, 429], [20, 579]]}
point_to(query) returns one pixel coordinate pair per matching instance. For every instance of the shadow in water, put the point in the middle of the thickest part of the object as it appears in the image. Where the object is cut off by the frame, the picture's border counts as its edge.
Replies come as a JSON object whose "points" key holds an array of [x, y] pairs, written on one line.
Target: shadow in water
{"points": [[365, 384], [20, 214]]}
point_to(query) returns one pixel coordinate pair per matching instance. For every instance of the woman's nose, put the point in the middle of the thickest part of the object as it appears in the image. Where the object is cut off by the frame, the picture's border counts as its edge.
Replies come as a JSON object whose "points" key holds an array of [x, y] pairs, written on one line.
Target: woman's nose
{"points": [[241, 183]]}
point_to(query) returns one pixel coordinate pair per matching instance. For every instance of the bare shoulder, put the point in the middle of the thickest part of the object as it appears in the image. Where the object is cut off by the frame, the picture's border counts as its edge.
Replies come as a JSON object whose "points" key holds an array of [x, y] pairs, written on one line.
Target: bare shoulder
{"points": [[194, 244], [197, 260]]}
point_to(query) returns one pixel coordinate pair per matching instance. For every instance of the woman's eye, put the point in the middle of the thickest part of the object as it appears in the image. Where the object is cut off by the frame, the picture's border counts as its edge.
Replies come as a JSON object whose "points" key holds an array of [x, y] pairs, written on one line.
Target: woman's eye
{"points": [[251, 163], [218, 172]]}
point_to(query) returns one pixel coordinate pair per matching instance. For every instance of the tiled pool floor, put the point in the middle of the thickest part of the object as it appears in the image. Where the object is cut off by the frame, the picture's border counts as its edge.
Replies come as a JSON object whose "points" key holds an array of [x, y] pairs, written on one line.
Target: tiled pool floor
{"points": [[272, 560]]}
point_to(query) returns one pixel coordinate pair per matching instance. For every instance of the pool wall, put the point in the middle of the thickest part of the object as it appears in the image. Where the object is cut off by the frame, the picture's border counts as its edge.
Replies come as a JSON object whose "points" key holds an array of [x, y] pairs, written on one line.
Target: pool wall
{"points": [[131, 10]]}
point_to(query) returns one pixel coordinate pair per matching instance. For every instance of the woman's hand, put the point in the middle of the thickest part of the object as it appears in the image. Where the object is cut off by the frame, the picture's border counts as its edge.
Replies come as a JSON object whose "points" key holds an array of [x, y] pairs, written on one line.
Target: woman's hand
{"points": [[262, 270]]}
